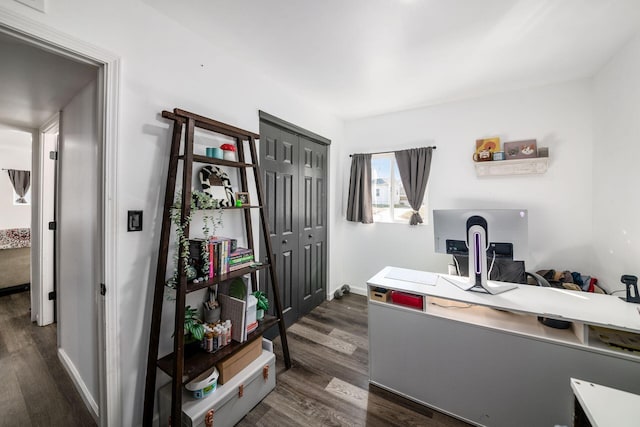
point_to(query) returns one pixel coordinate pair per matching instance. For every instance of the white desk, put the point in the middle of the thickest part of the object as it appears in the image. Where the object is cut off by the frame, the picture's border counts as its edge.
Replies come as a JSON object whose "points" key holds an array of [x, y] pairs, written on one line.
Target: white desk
{"points": [[605, 406], [486, 359]]}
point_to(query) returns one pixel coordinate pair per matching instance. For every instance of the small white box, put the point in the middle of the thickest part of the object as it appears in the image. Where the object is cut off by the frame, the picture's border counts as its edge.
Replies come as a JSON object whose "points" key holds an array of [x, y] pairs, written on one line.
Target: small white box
{"points": [[252, 304]]}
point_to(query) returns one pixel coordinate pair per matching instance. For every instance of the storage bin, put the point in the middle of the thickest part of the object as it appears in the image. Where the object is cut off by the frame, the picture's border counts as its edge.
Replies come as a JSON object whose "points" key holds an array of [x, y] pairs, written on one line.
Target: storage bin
{"points": [[239, 360], [229, 402], [203, 385], [380, 294], [407, 300]]}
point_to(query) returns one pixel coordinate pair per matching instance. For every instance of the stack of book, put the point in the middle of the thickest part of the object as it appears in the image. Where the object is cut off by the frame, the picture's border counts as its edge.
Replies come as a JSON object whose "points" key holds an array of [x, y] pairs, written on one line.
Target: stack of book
{"points": [[240, 258], [224, 255]]}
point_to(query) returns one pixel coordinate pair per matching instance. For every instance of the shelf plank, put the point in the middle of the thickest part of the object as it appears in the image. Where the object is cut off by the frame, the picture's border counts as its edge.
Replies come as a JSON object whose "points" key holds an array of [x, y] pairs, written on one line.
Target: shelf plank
{"points": [[221, 162], [198, 362], [537, 165], [192, 287]]}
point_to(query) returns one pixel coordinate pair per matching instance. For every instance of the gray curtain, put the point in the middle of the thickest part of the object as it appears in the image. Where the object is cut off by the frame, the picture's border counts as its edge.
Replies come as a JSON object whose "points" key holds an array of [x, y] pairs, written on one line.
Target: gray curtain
{"points": [[359, 202], [21, 181], [414, 166]]}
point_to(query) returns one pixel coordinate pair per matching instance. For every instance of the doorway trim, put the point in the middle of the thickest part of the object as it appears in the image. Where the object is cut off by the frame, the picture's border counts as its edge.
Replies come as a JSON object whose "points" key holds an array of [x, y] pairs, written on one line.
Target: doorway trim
{"points": [[43, 36]]}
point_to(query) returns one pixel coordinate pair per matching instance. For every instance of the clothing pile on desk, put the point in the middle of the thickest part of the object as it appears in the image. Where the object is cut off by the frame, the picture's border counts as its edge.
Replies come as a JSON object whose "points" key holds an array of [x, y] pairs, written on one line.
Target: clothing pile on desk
{"points": [[571, 280]]}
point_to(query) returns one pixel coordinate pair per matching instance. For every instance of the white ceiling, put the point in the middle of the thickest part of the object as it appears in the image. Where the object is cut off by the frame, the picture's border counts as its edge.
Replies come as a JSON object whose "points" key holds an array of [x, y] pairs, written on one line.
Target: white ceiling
{"points": [[36, 84], [363, 57]]}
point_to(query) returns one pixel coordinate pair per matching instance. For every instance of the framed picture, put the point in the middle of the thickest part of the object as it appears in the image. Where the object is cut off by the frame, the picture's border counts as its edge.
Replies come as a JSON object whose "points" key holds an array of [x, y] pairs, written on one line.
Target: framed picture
{"points": [[485, 149], [520, 149], [244, 198]]}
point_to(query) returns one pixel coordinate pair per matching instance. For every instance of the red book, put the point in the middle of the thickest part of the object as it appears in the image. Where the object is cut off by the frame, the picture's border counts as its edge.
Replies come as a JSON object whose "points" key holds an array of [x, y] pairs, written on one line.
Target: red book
{"points": [[211, 267]]}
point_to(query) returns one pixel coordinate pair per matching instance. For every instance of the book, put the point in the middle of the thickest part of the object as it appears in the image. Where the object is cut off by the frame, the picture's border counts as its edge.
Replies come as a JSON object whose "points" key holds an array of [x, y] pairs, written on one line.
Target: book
{"points": [[235, 310]]}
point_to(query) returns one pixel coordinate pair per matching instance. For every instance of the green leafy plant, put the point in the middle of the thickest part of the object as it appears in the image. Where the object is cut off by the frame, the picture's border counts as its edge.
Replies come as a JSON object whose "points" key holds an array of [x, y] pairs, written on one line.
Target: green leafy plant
{"points": [[200, 201], [263, 302], [193, 327]]}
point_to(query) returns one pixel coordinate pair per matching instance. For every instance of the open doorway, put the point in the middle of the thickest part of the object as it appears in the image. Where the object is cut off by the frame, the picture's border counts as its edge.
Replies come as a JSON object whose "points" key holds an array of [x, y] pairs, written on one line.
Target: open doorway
{"points": [[44, 73]]}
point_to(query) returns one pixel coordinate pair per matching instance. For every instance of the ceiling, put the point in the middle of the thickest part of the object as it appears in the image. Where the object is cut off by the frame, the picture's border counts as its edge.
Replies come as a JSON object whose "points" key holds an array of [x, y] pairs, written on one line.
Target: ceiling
{"points": [[362, 57], [36, 84]]}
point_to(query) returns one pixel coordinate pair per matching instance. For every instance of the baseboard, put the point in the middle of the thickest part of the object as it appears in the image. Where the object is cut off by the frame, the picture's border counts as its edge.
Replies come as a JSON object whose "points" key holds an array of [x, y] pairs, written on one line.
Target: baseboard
{"points": [[15, 289], [80, 385]]}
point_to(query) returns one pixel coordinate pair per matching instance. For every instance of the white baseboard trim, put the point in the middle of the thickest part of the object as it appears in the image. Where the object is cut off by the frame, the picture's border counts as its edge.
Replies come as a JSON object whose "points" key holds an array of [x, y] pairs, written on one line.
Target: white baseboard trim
{"points": [[89, 401]]}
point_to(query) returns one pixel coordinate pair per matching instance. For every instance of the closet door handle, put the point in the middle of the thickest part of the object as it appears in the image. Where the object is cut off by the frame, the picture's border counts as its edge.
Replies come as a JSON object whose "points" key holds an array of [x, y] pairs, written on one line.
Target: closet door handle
{"points": [[284, 241], [311, 236]]}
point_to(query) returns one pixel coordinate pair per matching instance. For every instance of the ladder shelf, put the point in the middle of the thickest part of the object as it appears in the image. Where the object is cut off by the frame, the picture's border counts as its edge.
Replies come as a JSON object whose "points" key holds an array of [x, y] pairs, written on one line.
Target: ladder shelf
{"points": [[180, 366]]}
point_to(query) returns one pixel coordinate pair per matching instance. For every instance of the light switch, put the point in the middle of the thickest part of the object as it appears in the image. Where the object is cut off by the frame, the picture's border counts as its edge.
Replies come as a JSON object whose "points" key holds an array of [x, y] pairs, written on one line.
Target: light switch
{"points": [[134, 221]]}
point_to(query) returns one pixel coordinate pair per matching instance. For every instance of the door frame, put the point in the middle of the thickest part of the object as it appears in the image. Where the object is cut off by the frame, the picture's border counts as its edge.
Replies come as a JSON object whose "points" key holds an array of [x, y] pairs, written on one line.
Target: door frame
{"points": [[45, 312], [40, 35]]}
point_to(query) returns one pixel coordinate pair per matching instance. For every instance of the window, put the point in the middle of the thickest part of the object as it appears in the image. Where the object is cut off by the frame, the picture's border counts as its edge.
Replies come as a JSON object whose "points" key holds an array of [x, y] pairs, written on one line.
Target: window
{"points": [[389, 200]]}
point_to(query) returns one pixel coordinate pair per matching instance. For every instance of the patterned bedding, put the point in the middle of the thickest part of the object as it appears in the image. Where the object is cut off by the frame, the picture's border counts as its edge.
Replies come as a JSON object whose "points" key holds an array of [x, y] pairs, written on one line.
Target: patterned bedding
{"points": [[15, 238]]}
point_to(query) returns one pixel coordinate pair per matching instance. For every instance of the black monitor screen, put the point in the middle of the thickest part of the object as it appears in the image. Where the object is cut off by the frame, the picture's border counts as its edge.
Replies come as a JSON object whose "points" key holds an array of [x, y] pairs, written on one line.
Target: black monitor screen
{"points": [[507, 231]]}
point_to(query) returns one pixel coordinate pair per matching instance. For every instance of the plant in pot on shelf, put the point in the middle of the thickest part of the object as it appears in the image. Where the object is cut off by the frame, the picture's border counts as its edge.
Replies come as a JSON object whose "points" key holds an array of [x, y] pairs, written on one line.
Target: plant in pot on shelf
{"points": [[263, 304], [193, 328]]}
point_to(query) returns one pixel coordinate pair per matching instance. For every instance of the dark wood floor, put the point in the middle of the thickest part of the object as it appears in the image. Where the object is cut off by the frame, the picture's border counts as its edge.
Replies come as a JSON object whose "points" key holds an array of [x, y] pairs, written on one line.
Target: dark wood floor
{"points": [[35, 390], [328, 382], [327, 385]]}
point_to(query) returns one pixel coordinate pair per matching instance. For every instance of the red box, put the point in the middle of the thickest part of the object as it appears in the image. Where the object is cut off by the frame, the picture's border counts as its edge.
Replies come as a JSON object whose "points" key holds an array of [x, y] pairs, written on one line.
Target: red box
{"points": [[408, 300]]}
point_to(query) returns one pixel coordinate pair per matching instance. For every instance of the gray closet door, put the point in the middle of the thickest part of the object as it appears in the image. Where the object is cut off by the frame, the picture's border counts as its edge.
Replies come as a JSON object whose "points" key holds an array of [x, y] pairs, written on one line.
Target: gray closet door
{"points": [[279, 164], [294, 170], [313, 224]]}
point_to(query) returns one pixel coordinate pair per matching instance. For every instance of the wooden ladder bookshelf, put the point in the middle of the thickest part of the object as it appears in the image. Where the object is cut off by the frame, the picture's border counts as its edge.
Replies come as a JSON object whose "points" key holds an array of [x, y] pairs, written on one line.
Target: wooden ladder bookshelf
{"points": [[179, 367]]}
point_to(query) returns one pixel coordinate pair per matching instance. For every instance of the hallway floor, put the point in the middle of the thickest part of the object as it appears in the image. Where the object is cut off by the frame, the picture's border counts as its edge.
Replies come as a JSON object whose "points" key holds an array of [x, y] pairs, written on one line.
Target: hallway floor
{"points": [[35, 389]]}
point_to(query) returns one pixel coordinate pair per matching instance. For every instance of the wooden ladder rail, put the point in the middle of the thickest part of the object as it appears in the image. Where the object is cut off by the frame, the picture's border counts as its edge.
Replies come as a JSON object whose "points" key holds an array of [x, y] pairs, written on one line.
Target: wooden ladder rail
{"points": [[161, 271]]}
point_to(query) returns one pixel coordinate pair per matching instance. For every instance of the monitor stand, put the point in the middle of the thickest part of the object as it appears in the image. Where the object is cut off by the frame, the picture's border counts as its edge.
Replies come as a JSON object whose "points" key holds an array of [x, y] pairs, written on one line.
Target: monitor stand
{"points": [[478, 280]]}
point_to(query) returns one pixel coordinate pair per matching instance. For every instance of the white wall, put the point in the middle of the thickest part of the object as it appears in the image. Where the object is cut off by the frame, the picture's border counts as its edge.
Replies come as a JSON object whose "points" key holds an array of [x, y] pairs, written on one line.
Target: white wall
{"points": [[15, 153], [78, 240], [615, 168], [164, 66], [559, 201]]}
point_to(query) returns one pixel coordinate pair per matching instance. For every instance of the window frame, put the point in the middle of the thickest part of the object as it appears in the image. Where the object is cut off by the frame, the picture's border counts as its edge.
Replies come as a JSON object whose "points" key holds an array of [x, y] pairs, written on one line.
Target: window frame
{"points": [[392, 191]]}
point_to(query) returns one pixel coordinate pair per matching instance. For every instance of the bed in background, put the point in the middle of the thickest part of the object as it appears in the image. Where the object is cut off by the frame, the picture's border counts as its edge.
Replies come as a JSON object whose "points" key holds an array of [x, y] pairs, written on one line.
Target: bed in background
{"points": [[15, 260]]}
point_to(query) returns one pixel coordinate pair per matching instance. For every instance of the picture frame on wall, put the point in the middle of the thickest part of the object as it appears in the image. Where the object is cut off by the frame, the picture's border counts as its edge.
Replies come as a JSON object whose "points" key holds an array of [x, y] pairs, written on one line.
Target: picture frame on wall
{"points": [[525, 149], [485, 148]]}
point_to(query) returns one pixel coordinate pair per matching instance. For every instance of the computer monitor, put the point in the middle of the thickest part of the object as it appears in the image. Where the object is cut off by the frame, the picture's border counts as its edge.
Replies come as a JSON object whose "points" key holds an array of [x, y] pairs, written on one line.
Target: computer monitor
{"points": [[478, 233]]}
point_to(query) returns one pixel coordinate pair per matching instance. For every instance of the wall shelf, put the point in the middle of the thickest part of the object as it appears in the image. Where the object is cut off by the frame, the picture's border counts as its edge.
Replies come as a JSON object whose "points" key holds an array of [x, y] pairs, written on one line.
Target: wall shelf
{"points": [[534, 166]]}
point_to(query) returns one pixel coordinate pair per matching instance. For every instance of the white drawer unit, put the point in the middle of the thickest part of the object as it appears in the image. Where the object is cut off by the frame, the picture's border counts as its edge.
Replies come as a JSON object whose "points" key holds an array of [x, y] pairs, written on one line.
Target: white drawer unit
{"points": [[229, 402]]}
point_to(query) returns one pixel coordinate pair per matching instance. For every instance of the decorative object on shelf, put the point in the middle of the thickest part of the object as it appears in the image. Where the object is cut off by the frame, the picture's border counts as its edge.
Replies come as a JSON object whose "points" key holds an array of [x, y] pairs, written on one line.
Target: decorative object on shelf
{"points": [[211, 307], [485, 149], [498, 155], [229, 152], [216, 183], [263, 304], [214, 152], [526, 149], [244, 198]]}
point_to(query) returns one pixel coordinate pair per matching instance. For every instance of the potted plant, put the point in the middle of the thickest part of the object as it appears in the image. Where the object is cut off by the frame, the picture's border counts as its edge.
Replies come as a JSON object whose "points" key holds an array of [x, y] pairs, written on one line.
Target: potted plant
{"points": [[263, 304], [193, 327]]}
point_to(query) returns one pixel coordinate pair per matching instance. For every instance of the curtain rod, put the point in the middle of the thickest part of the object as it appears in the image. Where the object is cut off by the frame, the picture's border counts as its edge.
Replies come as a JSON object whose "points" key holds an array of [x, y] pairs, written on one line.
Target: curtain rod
{"points": [[389, 152]]}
